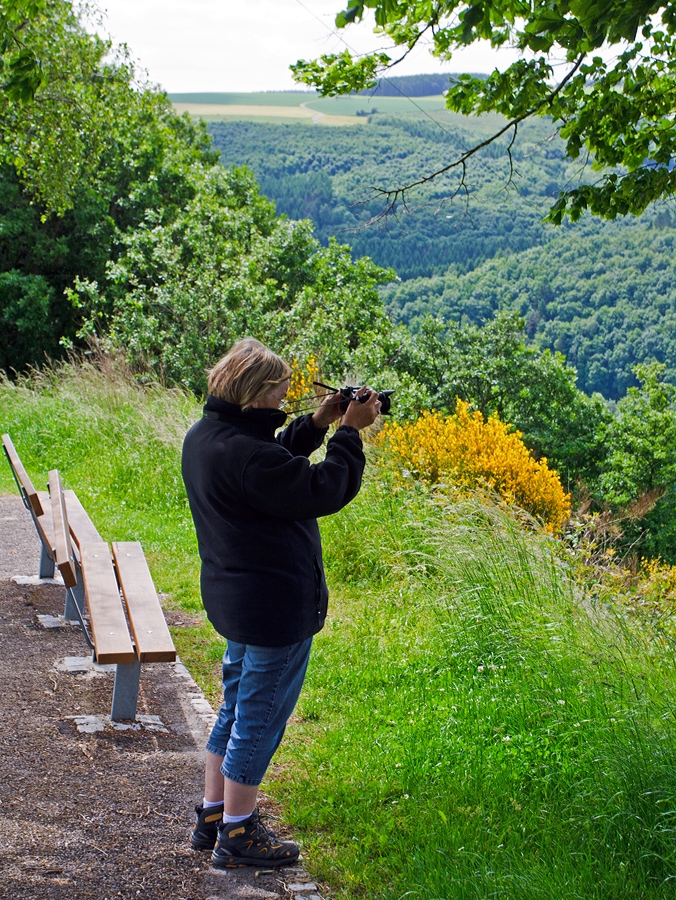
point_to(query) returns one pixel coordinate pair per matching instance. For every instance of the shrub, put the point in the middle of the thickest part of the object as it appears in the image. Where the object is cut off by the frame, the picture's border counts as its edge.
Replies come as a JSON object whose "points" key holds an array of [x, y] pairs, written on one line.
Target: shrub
{"points": [[469, 451]]}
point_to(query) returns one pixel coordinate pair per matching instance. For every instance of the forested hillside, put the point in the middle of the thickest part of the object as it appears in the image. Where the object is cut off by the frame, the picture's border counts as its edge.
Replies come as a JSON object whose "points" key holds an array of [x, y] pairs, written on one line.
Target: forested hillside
{"points": [[605, 298], [329, 175], [602, 293]]}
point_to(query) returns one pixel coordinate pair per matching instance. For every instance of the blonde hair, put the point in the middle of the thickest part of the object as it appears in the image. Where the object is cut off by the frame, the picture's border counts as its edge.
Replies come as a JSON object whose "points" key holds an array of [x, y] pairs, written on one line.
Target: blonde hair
{"points": [[247, 373]]}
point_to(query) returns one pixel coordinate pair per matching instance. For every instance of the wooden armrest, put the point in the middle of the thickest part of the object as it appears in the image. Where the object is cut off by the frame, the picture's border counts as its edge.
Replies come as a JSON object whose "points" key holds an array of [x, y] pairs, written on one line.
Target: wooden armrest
{"points": [[63, 555], [106, 615], [21, 476], [146, 619]]}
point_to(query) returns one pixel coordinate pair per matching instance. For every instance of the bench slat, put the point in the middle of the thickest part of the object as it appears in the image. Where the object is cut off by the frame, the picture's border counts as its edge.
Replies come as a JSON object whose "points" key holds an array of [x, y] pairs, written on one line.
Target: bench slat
{"points": [[24, 480], [63, 557], [106, 615], [151, 634], [81, 526]]}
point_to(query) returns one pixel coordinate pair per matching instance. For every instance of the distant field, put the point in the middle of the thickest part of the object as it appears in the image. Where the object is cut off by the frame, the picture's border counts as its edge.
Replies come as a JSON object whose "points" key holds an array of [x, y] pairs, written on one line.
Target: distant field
{"points": [[214, 112], [241, 110], [389, 105], [303, 105]]}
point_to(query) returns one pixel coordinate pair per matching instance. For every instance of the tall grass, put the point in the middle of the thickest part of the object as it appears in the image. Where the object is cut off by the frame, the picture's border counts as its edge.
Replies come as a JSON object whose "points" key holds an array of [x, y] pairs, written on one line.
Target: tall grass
{"points": [[472, 725], [473, 728]]}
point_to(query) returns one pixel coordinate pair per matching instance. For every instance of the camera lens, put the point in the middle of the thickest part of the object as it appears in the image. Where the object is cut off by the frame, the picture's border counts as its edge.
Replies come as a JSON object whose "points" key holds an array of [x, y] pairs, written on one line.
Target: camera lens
{"points": [[384, 397]]}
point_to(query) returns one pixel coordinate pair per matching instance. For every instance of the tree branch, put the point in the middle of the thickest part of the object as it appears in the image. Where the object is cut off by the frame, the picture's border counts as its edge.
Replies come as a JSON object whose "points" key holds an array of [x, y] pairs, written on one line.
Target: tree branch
{"points": [[394, 196]]}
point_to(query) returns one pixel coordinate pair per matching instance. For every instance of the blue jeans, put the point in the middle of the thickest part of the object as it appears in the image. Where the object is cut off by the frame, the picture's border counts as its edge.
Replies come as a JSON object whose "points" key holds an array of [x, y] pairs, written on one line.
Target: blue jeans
{"points": [[261, 686]]}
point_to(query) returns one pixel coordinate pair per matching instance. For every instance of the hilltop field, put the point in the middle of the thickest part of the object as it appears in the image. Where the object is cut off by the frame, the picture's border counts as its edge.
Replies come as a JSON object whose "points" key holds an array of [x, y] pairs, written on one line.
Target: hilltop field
{"points": [[302, 106]]}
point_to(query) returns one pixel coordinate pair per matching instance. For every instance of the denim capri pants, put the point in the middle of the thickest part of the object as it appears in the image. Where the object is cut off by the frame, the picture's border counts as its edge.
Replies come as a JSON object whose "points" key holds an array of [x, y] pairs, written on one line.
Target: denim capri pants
{"points": [[261, 686]]}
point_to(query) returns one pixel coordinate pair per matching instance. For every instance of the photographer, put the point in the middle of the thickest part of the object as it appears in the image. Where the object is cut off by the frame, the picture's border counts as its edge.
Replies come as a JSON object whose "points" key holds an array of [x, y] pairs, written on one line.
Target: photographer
{"points": [[255, 498]]}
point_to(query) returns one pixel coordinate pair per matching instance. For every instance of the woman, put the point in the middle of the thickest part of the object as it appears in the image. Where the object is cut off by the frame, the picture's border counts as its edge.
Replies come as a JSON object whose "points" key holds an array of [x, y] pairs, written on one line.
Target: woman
{"points": [[255, 498]]}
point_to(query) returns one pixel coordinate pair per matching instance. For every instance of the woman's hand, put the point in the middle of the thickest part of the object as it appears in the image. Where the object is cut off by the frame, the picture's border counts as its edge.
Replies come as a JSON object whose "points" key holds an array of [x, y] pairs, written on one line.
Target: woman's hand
{"points": [[328, 412], [361, 415]]}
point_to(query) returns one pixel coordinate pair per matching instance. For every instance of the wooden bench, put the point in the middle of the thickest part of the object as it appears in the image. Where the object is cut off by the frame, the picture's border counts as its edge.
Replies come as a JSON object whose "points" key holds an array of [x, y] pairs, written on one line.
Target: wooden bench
{"points": [[126, 624]]}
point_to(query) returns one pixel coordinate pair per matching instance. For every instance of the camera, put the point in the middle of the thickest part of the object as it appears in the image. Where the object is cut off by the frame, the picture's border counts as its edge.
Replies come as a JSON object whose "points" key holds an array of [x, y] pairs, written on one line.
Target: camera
{"points": [[349, 393]]}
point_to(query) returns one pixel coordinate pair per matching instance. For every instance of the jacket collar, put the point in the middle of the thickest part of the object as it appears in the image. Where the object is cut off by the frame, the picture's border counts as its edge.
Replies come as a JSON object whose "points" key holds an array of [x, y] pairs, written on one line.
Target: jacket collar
{"points": [[261, 423]]}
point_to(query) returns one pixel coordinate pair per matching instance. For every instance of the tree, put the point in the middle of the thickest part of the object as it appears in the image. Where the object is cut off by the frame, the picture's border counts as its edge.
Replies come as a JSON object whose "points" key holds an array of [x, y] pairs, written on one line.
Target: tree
{"points": [[20, 68], [80, 111], [92, 158], [617, 114], [641, 441], [188, 282], [639, 475]]}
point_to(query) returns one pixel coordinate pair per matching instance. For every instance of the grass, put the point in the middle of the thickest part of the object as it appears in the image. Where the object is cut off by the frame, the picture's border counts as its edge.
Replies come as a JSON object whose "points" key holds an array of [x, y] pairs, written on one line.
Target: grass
{"points": [[346, 106], [471, 728], [335, 110], [286, 105], [212, 112], [391, 106], [273, 98], [472, 725]]}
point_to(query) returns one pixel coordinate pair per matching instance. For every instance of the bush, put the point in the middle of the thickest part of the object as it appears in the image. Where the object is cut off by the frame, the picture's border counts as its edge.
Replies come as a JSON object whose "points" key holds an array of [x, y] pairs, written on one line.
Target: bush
{"points": [[469, 451]]}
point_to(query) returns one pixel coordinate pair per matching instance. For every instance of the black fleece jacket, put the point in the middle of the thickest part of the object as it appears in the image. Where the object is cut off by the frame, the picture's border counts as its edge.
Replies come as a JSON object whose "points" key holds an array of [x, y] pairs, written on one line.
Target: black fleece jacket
{"points": [[255, 499]]}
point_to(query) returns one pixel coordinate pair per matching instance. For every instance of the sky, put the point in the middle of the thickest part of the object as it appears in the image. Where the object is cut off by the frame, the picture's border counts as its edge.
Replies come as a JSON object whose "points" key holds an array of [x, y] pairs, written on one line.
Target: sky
{"points": [[248, 45]]}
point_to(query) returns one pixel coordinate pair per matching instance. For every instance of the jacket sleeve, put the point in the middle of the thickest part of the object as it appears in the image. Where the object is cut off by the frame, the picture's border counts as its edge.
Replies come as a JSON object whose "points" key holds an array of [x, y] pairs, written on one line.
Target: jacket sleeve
{"points": [[300, 437], [289, 487]]}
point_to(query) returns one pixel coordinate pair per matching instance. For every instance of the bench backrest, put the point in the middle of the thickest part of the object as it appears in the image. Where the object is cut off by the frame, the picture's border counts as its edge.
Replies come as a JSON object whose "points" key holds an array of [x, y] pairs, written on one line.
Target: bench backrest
{"points": [[37, 502], [62, 545], [23, 481]]}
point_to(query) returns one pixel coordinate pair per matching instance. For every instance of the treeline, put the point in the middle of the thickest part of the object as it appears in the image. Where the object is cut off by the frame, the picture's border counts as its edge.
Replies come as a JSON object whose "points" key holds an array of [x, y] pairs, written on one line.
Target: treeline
{"points": [[412, 85]]}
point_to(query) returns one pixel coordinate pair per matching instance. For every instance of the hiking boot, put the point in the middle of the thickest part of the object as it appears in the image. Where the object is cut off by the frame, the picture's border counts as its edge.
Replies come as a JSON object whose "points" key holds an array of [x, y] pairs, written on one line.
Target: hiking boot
{"points": [[250, 843], [205, 833]]}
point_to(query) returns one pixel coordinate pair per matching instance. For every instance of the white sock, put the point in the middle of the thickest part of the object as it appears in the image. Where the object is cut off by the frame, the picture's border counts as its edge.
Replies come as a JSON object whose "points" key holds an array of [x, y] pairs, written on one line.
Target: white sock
{"points": [[208, 804], [234, 820]]}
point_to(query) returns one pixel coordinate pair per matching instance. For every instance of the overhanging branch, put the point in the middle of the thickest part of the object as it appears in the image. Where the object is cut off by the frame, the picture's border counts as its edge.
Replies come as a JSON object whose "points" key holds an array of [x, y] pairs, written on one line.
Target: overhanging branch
{"points": [[393, 197]]}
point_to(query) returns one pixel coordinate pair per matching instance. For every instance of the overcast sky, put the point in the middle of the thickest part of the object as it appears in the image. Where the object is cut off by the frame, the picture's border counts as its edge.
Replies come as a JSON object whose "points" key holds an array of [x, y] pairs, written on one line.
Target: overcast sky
{"points": [[247, 45]]}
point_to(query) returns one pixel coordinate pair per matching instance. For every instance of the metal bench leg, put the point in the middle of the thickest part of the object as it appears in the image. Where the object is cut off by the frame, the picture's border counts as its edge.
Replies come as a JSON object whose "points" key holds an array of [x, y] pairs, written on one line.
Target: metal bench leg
{"points": [[75, 598], [125, 691], [46, 563]]}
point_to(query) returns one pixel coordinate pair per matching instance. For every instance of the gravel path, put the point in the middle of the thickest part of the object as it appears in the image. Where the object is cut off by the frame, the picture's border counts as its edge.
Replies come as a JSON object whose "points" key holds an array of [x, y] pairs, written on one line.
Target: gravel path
{"points": [[19, 544], [97, 815]]}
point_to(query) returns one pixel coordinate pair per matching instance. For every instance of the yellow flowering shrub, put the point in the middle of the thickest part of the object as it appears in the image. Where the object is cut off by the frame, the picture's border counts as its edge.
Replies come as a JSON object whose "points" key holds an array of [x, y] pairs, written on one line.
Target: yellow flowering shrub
{"points": [[302, 377], [466, 450]]}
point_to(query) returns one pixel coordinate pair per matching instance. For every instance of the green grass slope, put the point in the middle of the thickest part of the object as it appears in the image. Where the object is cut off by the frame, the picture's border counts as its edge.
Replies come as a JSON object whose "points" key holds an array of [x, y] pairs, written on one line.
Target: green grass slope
{"points": [[473, 724]]}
